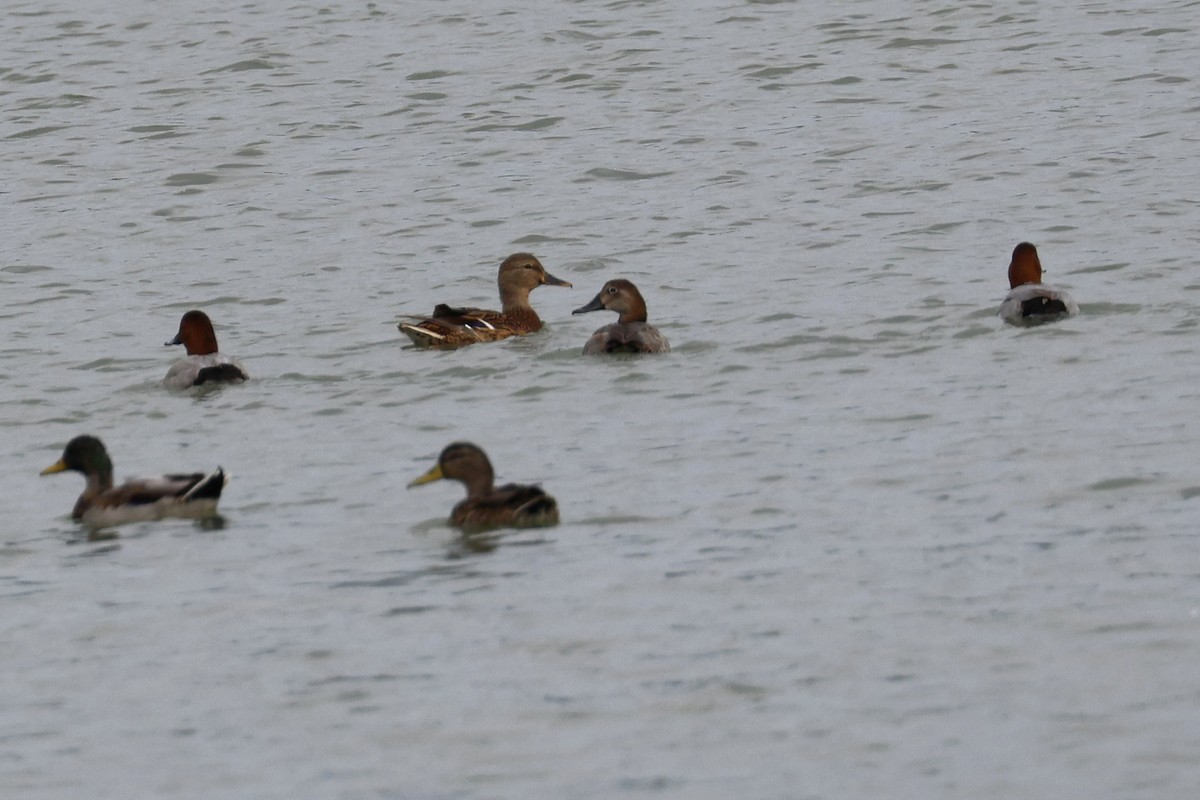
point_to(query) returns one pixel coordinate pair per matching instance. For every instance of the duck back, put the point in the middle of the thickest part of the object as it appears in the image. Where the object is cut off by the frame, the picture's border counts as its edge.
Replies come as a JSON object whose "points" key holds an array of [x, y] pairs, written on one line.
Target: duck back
{"points": [[630, 337]]}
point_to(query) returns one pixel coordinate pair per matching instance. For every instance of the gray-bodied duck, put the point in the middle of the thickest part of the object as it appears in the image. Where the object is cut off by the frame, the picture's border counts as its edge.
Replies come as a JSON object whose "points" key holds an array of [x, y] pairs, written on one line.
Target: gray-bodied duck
{"points": [[488, 506], [1030, 301], [202, 364], [630, 333], [193, 496], [449, 327]]}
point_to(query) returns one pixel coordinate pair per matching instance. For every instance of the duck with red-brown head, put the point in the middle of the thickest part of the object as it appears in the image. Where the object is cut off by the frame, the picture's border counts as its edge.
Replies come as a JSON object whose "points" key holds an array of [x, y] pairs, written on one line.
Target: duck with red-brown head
{"points": [[1029, 301], [203, 365], [450, 327], [630, 333]]}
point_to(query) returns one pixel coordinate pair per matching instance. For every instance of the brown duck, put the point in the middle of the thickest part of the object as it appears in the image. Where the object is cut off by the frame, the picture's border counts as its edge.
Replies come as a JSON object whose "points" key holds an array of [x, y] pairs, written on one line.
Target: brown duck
{"points": [[488, 506], [630, 333], [448, 327]]}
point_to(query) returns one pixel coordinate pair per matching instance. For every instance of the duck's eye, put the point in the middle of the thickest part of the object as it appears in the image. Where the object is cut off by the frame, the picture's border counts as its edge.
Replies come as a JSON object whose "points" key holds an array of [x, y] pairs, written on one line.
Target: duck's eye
{"points": [[612, 290]]}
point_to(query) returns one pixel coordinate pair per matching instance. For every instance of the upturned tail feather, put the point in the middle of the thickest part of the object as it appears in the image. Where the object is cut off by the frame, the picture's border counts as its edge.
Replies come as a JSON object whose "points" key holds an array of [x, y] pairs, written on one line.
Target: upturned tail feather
{"points": [[209, 487]]}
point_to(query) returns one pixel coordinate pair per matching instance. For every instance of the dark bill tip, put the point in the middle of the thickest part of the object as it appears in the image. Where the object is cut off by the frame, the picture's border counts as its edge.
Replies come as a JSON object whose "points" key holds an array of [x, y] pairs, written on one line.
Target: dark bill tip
{"points": [[595, 305]]}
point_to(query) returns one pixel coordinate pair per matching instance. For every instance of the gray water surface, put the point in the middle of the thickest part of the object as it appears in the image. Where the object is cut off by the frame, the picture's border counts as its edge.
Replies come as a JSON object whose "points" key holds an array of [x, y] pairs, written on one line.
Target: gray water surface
{"points": [[852, 538]]}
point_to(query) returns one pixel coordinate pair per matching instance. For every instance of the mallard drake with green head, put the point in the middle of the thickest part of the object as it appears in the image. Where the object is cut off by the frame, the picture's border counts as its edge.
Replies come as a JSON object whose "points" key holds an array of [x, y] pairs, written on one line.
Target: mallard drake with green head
{"points": [[488, 506], [448, 327], [193, 496], [630, 333]]}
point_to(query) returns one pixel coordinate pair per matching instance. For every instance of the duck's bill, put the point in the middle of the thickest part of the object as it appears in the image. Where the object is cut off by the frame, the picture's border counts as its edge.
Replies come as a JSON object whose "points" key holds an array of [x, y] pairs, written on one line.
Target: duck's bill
{"points": [[553, 281], [57, 466], [596, 305], [177, 340], [432, 475]]}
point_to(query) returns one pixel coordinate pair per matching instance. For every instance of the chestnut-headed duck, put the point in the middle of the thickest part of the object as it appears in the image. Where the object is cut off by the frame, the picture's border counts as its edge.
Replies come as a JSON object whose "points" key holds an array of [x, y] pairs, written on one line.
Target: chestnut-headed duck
{"points": [[203, 364], [448, 327], [630, 333], [487, 506], [1031, 302], [192, 496]]}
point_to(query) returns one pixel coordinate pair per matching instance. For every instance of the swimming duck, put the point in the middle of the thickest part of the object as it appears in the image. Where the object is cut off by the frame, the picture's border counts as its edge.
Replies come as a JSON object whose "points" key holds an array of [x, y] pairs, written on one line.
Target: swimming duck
{"points": [[630, 333], [101, 504], [203, 363], [449, 327], [487, 506], [1031, 302]]}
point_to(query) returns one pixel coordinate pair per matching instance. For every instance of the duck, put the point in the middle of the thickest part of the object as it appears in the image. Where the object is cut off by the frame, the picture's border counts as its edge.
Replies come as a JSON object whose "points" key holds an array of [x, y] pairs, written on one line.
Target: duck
{"points": [[203, 364], [449, 327], [1029, 301], [630, 333], [192, 496], [487, 506]]}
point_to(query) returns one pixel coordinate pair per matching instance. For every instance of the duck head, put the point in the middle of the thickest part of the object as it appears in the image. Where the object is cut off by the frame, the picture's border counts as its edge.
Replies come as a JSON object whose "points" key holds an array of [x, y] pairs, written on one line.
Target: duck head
{"points": [[463, 462], [521, 273], [196, 334], [621, 296], [1025, 266], [84, 454]]}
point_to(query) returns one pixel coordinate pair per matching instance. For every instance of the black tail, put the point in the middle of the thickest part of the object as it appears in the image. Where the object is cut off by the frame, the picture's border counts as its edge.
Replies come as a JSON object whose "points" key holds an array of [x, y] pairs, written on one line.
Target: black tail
{"points": [[1042, 307], [220, 373], [209, 487]]}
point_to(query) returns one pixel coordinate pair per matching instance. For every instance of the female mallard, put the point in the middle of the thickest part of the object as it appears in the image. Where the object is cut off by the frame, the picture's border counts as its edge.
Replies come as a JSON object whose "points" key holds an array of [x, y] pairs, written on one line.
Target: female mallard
{"points": [[519, 275], [101, 504], [1030, 301], [203, 364], [486, 506], [630, 333]]}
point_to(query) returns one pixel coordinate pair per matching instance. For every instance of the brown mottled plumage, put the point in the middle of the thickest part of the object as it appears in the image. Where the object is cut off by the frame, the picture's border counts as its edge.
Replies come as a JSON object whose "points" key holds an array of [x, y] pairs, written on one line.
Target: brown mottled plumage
{"points": [[448, 327], [487, 506]]}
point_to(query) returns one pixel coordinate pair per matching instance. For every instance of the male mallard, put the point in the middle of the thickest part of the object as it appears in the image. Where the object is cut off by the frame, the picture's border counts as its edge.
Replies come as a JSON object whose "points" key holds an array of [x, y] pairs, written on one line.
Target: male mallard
{"points": [[1030, 301], [192, 496], [630, 333], [449, 327], [486, 506], [203, 363]]}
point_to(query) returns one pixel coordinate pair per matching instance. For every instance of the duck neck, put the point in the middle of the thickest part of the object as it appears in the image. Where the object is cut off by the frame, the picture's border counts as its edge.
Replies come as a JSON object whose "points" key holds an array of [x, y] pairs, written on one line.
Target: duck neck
{"points": [[515, 299], [202, 344], [479, 484], [1025, 267], [635, 313], [99, 480], [515, 304]]}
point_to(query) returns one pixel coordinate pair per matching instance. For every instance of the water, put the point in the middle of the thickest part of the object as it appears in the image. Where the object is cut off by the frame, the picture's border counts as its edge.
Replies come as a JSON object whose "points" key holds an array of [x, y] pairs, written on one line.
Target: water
{"points": [[852, 538]]}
